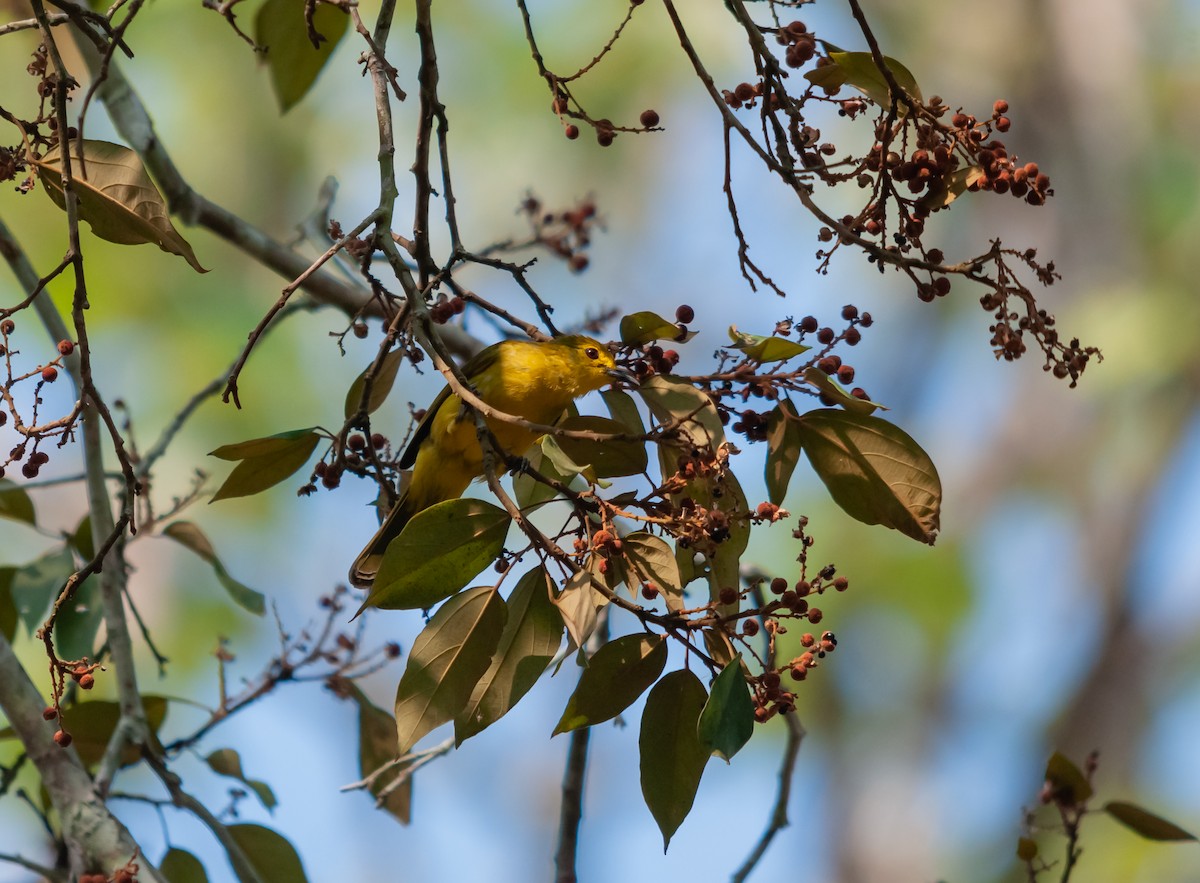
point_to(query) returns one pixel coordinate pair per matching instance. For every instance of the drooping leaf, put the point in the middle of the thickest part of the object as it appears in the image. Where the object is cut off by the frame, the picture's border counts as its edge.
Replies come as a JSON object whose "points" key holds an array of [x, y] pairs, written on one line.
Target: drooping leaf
{"points": [[839, 394], [670, 399], [765, 349], [81, 540], [191, 537], [270, 853], [1146, 823], [727, 722], [116, 197], [609, 458], [8, 610], [874, 471], [951, 187], [1069, 783], [439, 551], [577, 603], [783, 449], [92, 724], [718, 646], [725, 562], [35, 585], [859, 70], [264, 461], [380, 389], [180, 866], [624, 410], [78, 623], [616, 675], [226, 762], [532, 635], [15, 503], [376, 747], [645, 326], [447, 660], [293, 61], [652, 560], [672, 755]]}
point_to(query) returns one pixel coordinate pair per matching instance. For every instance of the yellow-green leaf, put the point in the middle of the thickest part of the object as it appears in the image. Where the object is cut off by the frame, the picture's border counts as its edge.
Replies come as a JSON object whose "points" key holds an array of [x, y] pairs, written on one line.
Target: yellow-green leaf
{"points": [[874, 471], [672, 755], [765, 349], [1067, 781], [1146, 823], [838, 393], [527, 490], [578, 602], [15, 503], [447, 660], [191, 537], [269, 853], [38, 583], [859, 70], [264, 461], [532, 635], [608, 458], [292, 59], [380, 389], [116, 197], [624, 410], [439, 551], [8, 610], [645, 326], [92, 724], [670, 398], [616, 675], [951, 187]]}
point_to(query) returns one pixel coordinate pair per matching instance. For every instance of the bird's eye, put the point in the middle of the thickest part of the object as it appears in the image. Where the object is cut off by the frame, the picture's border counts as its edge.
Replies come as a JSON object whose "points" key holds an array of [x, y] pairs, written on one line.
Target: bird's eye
{"points": [[592, 353]]}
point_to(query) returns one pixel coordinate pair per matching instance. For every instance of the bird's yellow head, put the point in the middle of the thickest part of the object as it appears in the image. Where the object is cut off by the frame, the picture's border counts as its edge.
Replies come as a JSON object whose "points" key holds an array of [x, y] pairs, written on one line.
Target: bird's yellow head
{"points": [[591, 364]]}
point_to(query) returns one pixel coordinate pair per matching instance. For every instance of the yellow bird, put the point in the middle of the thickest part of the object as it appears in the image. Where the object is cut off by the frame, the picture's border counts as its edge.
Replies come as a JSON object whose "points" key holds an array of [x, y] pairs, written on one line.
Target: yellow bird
{"points": [[533, 380]]}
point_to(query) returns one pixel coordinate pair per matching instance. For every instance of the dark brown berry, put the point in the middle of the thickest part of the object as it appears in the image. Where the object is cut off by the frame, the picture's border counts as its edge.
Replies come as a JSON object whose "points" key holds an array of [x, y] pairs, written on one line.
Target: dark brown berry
{"points": [[750, 628], [826, 336], [8, 326], [49, 713], [1000, 107], [572, 132], [604, 137], [815, 615], [49, 374], [649, 118], [66, 347], [649, 591], [63, 738], [86, 682], [356, 442], [779, 585], [684, 314]]}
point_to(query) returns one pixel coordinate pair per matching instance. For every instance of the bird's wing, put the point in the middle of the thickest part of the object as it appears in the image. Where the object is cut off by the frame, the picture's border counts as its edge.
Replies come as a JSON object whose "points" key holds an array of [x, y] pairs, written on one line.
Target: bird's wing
{"points": [[471, 369]]}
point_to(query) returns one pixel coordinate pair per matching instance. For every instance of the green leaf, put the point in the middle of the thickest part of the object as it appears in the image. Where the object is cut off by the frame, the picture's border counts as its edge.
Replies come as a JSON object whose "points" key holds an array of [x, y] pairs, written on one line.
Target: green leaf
{"points": [[270, 854], [81, 540], [293, 61], [577, 603], [226, 762], [447, 660], [838, 393], [92, 724], [610, 458], [765, 349], [380, 389], [376, 747], [725, 563], [191, 537], [874, 471], [180, 866], [1145, 823], [670, 398], [645, 326], [8, 610], [672, 755], [1027, 849], [652, 560], [719, 647], [624, 410], [783, 449], [859, 70], [78, 623], [727, 722], [439, 551], [35, 585], [15, 503], [532, 635], [264, 461], [528, 491], [616, 675], [1068, 782], [116, 197]]}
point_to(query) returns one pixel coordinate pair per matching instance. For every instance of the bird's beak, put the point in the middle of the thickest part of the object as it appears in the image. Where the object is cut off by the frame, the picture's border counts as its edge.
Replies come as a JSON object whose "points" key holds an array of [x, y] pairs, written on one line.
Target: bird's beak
{"points": [[623, 375]]}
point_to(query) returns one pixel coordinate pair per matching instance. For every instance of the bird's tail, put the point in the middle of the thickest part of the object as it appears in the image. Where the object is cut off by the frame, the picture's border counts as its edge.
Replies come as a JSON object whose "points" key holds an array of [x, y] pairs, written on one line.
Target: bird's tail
{"points": [[366, 565]]}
